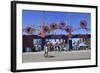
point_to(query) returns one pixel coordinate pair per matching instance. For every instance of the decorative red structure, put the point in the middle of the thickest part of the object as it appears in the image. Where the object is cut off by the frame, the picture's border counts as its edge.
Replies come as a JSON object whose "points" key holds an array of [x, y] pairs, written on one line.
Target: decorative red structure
{"points": [[83, 24]]}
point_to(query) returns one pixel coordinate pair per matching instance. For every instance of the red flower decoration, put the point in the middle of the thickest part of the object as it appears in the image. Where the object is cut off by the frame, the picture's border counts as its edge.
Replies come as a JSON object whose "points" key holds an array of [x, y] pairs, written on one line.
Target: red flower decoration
{"points": [[29, 30], [53, 26], [45, 28], [62, 25], [83, 23], [68, 29]]}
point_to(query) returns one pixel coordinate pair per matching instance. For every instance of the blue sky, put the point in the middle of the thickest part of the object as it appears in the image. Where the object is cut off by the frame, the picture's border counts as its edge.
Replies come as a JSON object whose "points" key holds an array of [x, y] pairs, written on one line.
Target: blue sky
{"points": [[35, 18]]}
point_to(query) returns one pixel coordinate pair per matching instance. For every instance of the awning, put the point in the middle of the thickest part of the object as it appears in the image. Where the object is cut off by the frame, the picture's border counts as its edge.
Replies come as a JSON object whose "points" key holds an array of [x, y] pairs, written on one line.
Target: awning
{"points": [[82, 44]]}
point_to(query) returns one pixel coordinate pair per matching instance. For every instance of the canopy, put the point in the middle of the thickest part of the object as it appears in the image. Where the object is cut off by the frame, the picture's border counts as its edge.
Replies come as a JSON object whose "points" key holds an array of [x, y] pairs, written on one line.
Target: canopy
{"points": [[82, 44]]}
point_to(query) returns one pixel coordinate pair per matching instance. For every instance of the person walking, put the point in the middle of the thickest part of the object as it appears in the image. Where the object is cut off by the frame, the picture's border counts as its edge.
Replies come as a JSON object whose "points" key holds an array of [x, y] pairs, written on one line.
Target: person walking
{"points": [[45, 51]]}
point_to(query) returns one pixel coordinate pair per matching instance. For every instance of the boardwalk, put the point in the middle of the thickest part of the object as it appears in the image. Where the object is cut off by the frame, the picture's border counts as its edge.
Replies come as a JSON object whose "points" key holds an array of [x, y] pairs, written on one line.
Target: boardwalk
{"points": [[56, 56]]}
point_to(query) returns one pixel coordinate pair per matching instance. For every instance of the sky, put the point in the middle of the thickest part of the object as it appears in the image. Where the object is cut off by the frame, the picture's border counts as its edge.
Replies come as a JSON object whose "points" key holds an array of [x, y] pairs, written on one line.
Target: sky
{"points": [[36, 18]]}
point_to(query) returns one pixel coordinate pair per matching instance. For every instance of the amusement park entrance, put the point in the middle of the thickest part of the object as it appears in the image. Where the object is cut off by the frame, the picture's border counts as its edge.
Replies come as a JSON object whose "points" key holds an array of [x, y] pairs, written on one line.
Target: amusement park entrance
{"points": [[34, 43]]}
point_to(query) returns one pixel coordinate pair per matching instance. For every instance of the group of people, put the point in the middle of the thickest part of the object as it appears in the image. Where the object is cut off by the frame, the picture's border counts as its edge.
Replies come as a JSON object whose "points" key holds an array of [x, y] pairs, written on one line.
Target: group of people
{"points": [[51, 45], [57, 46]]}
